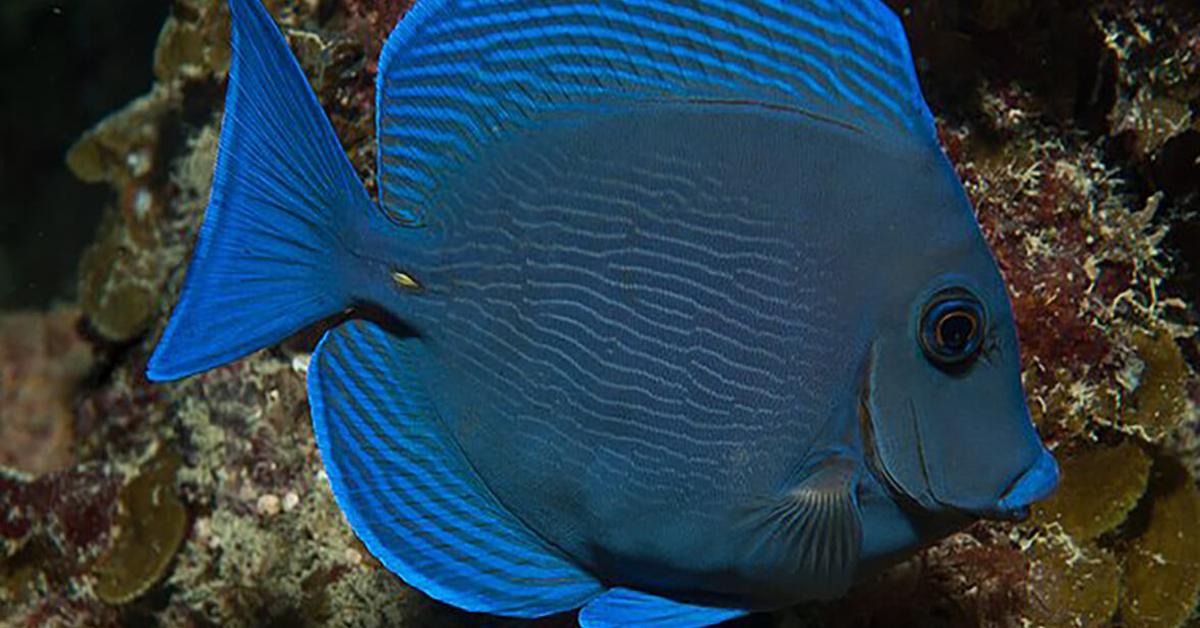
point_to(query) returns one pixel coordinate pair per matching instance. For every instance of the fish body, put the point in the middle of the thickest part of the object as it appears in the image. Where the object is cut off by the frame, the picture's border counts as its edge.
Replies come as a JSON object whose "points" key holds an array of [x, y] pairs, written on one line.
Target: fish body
{"points": [[681, 311], [662, 329]]}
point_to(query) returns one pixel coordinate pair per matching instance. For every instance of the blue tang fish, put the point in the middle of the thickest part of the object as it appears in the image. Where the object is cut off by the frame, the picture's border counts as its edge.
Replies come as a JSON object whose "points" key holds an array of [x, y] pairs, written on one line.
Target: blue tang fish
{"points": [[677, 310]]}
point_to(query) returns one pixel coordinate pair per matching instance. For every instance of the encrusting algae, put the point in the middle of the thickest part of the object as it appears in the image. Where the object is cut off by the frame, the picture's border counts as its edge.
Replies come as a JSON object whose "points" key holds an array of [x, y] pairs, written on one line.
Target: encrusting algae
{"points": [[1086, 594], [1101, 485], [1162, 563], [204, 502], [149, 526], [1159, 403]]}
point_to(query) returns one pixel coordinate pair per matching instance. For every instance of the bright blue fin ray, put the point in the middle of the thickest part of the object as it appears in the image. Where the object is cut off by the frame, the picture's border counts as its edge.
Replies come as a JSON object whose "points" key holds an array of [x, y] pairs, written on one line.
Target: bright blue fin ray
{"points": [[455, 72], [412, 497], [625, 607], [267, 256]]}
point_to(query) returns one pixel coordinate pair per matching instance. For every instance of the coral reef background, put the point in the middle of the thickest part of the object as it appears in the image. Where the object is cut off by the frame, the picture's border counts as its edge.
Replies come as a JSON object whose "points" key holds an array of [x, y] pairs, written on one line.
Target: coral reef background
{"points": [[1075, 126]]}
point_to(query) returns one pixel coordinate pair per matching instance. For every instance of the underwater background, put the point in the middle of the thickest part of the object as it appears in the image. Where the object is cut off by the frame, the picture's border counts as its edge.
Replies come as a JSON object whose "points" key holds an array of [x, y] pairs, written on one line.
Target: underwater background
{"points": [[1074, 125]]}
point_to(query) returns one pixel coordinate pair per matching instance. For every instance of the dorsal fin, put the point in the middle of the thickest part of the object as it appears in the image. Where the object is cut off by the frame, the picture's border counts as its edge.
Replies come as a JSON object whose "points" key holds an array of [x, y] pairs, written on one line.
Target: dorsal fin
{"points": [[455, 72]]}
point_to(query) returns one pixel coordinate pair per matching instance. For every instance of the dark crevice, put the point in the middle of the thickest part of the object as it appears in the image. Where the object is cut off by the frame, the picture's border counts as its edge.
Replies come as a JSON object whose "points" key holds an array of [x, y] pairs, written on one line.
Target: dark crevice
{"points": [[66, 66]]}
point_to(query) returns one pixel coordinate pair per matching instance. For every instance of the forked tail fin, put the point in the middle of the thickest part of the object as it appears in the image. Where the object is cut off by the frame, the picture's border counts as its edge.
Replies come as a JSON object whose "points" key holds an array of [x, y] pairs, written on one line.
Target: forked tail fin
{"points": [[269, 259]]}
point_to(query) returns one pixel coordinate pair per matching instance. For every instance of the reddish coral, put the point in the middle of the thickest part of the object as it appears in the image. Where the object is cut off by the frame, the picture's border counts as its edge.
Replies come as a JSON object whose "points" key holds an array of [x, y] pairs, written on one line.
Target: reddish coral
{"points": [[67, 517], [372, 20], [976, 578], [43, 359], [58, 610], [1025, 199]]}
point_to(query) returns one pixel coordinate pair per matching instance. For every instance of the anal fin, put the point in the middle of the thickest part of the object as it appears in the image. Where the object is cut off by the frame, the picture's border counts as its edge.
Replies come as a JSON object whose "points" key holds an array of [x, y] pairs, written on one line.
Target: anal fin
{"points": [[626, 607], [412, 497]]}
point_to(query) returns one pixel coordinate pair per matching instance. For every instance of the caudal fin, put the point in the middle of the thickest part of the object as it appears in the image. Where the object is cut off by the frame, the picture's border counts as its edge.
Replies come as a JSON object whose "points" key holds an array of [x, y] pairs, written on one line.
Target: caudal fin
{"points": [[268, 256]]}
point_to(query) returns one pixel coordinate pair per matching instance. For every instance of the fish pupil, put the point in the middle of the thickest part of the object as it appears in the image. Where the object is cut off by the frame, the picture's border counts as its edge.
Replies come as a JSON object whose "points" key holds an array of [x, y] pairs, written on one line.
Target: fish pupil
{"points": [[955, 330], [951, 326]]}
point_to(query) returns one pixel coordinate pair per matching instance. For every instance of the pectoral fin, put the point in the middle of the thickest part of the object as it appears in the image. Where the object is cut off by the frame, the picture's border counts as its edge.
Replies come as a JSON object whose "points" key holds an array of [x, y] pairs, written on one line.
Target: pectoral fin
{"points": [[812, 534]]}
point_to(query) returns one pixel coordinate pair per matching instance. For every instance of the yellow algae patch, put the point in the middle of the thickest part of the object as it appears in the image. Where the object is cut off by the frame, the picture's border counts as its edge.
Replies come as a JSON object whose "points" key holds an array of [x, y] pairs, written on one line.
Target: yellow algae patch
{"points": [[194, 42], [1100, 485], [1162, 565], [1072, 585], [150, 523], [1159, 402]]}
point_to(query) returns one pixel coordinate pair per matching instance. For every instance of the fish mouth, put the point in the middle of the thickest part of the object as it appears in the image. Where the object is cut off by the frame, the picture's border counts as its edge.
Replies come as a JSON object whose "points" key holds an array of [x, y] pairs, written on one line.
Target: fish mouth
{"points": [[1035, 484]]}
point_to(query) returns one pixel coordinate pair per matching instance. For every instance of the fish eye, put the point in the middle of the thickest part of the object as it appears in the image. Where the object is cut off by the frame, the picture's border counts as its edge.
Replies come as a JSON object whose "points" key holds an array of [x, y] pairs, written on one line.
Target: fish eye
{"points": [[952, 327]]}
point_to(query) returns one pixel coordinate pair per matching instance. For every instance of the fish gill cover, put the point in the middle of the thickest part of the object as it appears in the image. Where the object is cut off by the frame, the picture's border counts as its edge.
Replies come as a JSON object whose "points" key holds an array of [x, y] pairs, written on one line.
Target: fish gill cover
{"points": [[1083, 173]]}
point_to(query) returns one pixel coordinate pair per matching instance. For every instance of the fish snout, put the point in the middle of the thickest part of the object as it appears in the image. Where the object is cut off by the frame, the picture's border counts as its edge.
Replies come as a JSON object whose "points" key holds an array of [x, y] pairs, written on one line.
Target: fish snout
{"points": [[1037, 483]]}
